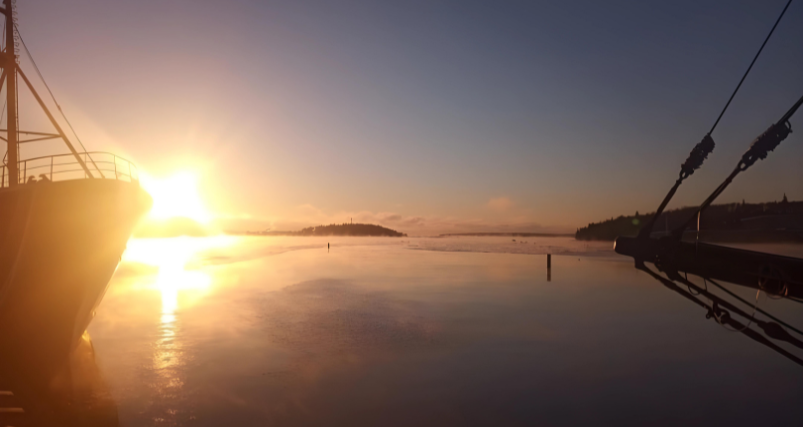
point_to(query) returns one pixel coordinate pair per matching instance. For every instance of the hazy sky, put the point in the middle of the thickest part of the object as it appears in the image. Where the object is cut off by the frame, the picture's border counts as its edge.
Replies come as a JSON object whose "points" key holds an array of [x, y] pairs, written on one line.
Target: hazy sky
{"points": [[428, 115]]}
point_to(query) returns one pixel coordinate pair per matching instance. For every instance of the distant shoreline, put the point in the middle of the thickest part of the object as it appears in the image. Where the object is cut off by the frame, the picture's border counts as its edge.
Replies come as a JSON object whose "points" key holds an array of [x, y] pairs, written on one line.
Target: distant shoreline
{"points": [[506, 235], [349, 229], [732, 222]]}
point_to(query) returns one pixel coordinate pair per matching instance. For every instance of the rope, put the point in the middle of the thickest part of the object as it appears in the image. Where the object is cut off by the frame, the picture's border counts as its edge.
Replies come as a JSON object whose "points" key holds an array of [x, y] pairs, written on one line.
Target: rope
{"points": [[53, 97], [750, 67]]}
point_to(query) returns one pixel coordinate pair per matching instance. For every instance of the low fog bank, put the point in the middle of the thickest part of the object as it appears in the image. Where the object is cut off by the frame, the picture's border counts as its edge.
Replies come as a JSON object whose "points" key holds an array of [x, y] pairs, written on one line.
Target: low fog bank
{"points": [[416, 227], [512, 245], [251, 247]]}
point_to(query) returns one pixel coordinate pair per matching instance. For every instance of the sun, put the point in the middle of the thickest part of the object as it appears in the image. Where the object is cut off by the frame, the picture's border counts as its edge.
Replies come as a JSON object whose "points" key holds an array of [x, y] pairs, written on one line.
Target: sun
{"points": [[176, 196]]}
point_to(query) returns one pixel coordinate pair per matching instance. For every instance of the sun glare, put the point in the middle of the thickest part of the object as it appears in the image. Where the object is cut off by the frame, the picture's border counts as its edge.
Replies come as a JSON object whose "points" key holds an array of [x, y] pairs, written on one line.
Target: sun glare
{"points": [[176, 196]]}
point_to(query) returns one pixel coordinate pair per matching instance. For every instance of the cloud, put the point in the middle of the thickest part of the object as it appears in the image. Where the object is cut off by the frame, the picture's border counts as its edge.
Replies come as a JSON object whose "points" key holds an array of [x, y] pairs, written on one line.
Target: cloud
{"points": [[500, 204]]}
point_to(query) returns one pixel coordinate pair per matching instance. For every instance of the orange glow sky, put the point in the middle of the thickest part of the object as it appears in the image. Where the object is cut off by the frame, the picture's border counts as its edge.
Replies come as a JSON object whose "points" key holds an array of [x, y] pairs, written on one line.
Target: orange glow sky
{"points": [[423, 116]]}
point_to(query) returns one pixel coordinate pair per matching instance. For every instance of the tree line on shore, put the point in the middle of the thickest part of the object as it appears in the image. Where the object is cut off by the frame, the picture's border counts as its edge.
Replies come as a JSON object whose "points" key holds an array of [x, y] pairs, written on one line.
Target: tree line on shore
{"points": [[345, 229], [783, 215]]}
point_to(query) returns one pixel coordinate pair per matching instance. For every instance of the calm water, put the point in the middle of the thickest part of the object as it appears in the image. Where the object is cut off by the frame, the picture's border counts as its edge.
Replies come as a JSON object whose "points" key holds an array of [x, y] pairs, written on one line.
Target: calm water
{"points": [[458, 331]]}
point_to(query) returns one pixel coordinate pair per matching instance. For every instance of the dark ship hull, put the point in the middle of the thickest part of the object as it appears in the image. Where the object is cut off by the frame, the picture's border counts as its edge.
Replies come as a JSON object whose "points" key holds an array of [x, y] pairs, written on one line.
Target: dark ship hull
{"points": [[60, 243], [771, 273], [74, 395]]}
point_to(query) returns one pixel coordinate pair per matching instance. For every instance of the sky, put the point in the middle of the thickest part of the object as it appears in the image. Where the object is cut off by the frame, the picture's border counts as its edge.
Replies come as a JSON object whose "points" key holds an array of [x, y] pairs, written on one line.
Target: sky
{"points": [[427, 116]]}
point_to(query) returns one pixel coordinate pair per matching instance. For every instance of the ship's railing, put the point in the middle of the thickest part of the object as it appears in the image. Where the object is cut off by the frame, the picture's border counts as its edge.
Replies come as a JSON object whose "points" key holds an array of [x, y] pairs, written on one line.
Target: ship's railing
{"points": [[64, 167]]}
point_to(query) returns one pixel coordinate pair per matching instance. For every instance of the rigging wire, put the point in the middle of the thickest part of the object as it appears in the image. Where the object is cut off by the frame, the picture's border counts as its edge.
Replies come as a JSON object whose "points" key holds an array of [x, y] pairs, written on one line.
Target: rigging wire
{"points": [[727, 104], [16, 98], [53, 97], [701, 151], [758, 150]]}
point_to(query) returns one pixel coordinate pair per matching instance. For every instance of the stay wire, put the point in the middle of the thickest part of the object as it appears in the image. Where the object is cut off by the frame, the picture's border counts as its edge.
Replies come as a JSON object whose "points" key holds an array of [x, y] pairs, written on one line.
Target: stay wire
{"points": [[750, 67], [53, 97], [704, 147]]}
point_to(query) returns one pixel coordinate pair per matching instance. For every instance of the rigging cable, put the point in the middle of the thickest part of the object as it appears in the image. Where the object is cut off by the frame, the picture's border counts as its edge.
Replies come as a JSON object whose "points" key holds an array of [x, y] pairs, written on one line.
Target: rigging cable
{"points": [[749, 68], [53, 97], [703, 148], [758, 150]]}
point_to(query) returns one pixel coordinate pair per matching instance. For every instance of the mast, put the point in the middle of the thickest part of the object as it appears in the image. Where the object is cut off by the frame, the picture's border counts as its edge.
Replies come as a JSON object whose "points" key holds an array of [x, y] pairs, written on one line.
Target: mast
{"points": [[11, 94]]}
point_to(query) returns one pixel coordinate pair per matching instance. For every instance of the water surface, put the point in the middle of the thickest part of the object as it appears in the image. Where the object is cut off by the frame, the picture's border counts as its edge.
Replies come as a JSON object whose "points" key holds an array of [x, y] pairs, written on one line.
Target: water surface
{"points": [[457, 331]]}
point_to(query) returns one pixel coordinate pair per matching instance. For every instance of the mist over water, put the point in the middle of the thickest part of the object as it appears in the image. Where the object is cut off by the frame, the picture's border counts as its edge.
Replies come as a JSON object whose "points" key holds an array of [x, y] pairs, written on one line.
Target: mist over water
{"points": [[427, 119], [258, 331]]}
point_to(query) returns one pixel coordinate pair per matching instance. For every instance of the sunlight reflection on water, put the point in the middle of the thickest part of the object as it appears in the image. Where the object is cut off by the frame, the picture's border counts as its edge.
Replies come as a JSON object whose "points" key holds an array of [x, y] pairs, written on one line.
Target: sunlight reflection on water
{"points": [[179, 272], [178, 267], [259, 331]]}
